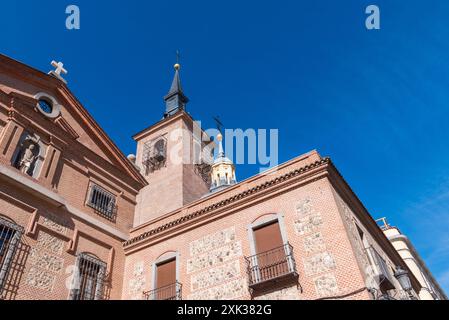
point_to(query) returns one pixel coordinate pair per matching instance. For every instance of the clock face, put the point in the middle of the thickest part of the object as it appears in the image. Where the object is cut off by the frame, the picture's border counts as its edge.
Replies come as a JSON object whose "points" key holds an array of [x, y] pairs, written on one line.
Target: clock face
{"points": [[45, 106]]}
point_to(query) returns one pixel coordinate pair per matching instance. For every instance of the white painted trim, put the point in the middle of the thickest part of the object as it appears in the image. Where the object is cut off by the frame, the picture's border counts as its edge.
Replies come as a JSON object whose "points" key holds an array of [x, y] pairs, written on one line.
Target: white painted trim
{"points": [[161, 260], [58, 200], [55, 105], [258, 224], [262, 222]]}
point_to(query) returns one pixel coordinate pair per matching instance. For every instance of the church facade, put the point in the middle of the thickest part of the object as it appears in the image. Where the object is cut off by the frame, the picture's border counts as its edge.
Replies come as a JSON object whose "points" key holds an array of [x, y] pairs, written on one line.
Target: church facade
{"points": [[80, 221]]}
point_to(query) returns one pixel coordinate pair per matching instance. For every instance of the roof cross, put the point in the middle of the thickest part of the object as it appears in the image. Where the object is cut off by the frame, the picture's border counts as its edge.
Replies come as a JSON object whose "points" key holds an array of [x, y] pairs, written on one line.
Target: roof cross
{"points": [[59, 68]]}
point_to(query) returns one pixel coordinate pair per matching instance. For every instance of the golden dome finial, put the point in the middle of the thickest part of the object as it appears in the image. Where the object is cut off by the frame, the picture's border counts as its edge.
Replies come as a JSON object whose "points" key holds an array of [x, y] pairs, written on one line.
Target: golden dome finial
{"points": [[177, 65]]}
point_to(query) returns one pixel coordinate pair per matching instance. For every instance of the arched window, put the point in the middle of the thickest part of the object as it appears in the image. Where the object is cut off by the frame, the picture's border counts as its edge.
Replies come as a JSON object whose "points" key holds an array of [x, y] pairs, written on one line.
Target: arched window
{"points": [[159, 150], [166, 285]]}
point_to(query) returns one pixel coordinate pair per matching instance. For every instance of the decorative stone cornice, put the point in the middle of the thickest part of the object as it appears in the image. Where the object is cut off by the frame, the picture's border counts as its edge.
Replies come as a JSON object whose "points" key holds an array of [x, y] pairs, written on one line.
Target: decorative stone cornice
{"points": [[226, 202]]}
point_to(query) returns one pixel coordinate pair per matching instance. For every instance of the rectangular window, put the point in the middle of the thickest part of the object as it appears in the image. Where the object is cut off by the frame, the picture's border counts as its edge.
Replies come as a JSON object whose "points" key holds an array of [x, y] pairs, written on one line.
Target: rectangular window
{"points": [[10, 235], [270, 252], [382, 265], [378, 263], [273, 258], [90, 280], [166, 288], [102, 202], [268, 238]]}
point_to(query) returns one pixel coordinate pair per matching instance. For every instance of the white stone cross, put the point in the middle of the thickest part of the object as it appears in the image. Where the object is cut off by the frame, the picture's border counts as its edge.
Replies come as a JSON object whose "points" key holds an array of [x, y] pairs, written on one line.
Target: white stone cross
{"points": [[59, 68]]}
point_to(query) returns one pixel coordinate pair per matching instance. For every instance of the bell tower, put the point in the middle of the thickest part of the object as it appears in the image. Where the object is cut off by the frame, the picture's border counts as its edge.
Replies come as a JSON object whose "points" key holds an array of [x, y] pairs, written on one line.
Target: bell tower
{"points": [[169, 155]]}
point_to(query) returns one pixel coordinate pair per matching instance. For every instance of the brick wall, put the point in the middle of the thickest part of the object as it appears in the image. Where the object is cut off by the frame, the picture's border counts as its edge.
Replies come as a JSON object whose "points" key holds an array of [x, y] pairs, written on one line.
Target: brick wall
{"points": [[54, 235], [212, 251]]}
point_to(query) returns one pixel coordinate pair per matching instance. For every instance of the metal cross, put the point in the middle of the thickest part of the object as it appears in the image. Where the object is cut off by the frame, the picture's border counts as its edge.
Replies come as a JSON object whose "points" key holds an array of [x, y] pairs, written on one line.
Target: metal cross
{"points": [[59, 68], [219, 124], [178, 56]]}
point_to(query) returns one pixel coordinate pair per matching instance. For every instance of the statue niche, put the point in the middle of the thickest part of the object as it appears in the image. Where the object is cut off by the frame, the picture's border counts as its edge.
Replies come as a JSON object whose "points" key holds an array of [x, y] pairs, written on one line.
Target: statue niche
{"points": [[27, 156]]}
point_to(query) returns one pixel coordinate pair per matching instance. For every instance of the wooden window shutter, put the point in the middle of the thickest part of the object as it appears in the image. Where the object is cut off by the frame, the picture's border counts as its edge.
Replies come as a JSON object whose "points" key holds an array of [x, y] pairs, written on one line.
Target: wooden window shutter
{"points": [[268, 238], [166, 274]]}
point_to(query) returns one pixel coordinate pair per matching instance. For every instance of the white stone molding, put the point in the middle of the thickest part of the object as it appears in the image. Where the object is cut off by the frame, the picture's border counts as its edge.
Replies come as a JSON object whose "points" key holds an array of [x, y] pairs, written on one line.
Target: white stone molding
{"points": [[55, 105]]}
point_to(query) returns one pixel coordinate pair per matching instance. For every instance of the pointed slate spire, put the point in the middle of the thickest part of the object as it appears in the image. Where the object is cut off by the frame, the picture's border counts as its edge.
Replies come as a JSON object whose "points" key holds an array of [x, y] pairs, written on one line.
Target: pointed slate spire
{"points": [[175, 100]]}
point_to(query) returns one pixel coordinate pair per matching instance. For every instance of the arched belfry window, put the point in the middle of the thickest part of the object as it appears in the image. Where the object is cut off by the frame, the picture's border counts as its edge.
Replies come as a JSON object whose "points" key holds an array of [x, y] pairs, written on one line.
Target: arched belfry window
{"points": [[89, 277], [160, 150], [154, 155]]}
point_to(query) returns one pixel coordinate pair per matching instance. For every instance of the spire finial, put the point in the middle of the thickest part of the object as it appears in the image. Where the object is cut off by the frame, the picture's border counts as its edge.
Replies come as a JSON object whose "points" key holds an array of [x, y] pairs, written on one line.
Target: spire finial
{"points": [[223, 170], [177, 65], [175, 100], [219, 136]]}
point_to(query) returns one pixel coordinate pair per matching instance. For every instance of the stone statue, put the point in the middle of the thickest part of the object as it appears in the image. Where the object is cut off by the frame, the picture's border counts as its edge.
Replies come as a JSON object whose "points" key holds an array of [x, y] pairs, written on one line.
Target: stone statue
{"points": [[28, 158]]}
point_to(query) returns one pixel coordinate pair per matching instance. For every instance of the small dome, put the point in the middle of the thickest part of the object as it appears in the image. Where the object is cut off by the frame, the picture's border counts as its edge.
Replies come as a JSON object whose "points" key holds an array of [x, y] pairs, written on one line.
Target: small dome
{"points": [[223, 170], [223, 160]]}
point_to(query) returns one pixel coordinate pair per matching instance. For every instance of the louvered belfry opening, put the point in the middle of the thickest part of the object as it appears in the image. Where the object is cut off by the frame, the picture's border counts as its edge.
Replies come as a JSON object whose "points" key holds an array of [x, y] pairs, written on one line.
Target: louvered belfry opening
{"points": [[10, 235], [91, 277], [273, 259], [167, 286]]}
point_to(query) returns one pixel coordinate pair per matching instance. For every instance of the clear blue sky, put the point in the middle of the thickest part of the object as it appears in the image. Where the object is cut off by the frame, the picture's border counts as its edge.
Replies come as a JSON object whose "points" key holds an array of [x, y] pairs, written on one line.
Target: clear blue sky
{"points": [[377, 102]]}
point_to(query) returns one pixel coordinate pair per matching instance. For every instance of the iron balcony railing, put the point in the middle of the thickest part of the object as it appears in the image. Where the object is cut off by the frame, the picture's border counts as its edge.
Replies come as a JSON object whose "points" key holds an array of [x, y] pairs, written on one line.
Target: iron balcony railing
{"points": [[170, 292], [271, 265]]}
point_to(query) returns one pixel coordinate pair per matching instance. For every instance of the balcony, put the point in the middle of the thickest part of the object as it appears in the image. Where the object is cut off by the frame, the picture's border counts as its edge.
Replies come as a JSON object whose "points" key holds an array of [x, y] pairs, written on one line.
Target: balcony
{"points": [[274, 266], [170, 292], [382, 272]]}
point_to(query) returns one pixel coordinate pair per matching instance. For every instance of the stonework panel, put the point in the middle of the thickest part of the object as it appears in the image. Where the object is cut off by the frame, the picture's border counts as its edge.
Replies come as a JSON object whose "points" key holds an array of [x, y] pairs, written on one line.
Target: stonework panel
{"points": [[41, 279], [212, 242], [215, 257], [319, 263], [291, 293], [348, 219], [52, 222], [304, 207], [137, 283], [314, 243], [215, 276], [227, 291], [50, 243], [326, 286], [308, 224], [47, 261]]}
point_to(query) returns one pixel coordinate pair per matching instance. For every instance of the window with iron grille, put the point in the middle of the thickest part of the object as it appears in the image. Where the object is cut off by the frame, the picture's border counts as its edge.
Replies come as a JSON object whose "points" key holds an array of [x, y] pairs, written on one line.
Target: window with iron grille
{"points": [[102, 201], [154, 155], [89, 280], [10, 235]]}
